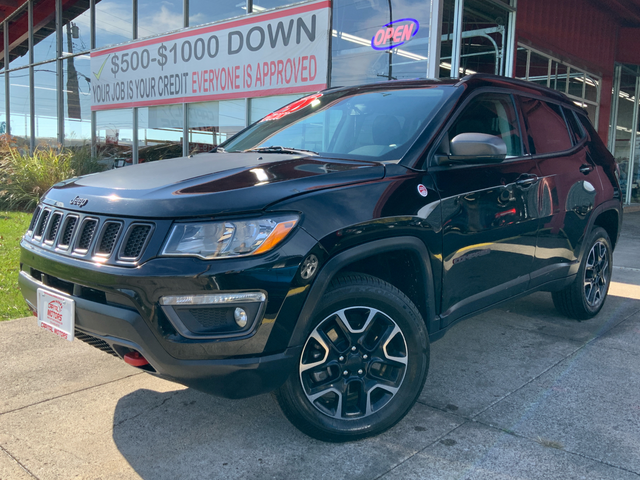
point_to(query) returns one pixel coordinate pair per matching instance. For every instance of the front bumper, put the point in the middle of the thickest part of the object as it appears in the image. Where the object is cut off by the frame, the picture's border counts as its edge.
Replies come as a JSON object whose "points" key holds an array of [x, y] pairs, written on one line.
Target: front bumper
{"points": [[120, 306], [124, 330]]}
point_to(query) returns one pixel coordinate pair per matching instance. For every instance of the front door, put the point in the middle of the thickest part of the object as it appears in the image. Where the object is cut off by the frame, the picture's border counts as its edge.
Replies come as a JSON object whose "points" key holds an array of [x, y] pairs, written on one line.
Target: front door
{"points": [[489, 214]]}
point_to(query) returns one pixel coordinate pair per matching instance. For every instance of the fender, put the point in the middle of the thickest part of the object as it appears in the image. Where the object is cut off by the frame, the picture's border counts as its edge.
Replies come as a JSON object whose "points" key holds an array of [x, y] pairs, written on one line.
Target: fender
{"points": [[603, 207], [335, 264]]}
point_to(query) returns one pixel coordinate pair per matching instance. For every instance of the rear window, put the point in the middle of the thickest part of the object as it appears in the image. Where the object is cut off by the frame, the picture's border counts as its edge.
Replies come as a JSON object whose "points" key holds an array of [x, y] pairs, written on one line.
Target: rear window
{"points": [[546, 129]]}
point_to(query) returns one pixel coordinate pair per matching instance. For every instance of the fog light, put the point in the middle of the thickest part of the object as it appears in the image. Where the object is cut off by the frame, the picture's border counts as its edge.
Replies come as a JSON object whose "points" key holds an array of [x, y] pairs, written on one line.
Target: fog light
{"points": [[241, 317]]}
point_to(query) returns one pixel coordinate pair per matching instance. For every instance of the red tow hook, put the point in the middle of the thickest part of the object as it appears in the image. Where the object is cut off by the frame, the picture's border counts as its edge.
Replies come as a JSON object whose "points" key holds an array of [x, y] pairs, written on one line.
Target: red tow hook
{"points": [[135, 359]]}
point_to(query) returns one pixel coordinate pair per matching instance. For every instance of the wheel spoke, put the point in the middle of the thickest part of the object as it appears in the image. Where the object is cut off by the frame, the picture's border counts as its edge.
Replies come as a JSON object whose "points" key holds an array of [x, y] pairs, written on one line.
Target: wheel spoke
{"points": [[347, 325], [318, 338], [394, 332], [338, 410]]}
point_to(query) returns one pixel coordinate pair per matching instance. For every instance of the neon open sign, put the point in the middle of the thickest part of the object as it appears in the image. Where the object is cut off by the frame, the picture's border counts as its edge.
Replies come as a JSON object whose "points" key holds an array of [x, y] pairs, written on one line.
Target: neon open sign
{"points": [[393, 35]]}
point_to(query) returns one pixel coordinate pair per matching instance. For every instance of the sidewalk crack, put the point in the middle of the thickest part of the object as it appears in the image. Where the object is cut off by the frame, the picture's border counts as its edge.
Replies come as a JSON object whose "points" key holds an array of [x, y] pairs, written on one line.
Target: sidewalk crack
{"points": [[18, 462]]}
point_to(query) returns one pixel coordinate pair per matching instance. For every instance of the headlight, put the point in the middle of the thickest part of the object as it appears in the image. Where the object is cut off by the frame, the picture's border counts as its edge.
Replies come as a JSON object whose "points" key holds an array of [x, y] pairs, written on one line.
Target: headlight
{"points": [[234, 238]]}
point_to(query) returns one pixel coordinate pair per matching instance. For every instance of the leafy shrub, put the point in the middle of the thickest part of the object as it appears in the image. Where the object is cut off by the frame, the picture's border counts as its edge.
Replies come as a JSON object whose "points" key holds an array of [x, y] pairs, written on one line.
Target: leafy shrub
{"points": [[25, 177]]}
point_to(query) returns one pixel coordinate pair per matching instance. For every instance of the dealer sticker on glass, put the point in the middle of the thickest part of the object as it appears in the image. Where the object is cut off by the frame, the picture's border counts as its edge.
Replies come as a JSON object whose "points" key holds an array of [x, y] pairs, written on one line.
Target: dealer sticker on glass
{"points": [[56, 313]]}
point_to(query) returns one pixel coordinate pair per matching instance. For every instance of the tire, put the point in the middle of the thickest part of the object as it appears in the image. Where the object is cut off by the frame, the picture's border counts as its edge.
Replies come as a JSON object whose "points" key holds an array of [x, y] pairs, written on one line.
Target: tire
{"points": [[363, 365], [584, 298]]}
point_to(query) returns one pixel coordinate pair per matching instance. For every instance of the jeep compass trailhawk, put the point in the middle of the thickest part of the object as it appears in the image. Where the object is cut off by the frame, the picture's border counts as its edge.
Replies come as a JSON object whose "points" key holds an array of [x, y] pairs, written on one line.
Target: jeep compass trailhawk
{"points": [[318, 252]]}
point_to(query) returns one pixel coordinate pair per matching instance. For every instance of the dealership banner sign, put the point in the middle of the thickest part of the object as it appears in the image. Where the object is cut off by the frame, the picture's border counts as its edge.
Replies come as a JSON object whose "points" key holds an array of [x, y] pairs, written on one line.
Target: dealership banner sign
{"points": [[278, 52]]}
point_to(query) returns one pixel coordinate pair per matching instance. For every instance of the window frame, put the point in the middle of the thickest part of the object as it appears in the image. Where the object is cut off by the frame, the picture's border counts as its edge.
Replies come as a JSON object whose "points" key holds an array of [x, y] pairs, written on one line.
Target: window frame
{"points": [[562, 106], [430, 163]]}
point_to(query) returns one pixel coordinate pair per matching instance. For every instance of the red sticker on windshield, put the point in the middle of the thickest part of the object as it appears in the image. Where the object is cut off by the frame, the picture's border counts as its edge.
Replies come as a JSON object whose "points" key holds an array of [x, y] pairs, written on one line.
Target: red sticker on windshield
{"points": [[292, 107]]}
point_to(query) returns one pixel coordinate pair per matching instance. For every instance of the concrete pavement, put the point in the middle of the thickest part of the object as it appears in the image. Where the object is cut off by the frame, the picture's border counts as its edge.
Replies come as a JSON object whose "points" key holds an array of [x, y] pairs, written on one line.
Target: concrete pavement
{"points": [[518, 392]]}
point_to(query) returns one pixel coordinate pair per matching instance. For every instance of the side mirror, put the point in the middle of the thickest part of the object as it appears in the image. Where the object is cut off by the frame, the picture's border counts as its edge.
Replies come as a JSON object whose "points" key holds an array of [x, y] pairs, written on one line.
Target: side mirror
{"points": [[475, 148]]}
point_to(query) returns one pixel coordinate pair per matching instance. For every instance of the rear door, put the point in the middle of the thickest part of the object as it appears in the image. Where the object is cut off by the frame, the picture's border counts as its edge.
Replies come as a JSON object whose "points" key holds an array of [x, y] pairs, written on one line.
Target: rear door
{"points": [[489, 213], [568, 186]]}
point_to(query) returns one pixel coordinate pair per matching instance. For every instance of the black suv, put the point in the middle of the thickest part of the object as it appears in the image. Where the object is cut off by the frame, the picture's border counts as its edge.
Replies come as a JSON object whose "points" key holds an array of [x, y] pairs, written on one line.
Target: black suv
{"points": [[318, 252]]}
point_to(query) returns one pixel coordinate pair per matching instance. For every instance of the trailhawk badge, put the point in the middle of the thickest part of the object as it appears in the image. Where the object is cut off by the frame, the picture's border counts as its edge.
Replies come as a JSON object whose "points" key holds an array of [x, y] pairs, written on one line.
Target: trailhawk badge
{"points": [[80, 202]]}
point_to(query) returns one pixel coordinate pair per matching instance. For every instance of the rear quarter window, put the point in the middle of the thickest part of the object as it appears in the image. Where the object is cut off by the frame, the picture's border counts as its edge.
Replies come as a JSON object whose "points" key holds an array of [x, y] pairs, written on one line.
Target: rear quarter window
{"points": [[546, 129]]}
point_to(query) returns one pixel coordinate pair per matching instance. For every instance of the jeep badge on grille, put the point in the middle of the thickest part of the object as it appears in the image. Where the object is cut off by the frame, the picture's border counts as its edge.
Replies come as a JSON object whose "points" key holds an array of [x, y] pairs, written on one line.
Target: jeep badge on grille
{"points": [[81, 202]]}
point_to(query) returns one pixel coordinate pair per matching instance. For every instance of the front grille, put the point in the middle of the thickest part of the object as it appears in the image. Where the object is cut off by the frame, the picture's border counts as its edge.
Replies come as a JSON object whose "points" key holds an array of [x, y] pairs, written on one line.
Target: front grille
{"points": [[42, 222], [136, 240], [67, 233], [53, 227], [115, 241], [108, 239], [34, 219], [96, 342], [86, 235]]}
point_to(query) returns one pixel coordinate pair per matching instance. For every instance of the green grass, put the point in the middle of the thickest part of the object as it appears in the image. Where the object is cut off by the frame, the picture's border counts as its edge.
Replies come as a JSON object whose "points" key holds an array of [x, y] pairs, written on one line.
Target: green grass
{"points": [[12, 227]]}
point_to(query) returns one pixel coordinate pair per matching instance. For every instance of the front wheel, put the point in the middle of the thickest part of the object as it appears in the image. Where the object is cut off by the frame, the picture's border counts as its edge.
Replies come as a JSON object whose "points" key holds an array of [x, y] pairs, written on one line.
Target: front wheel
{"points": [[585, 297], [363, 365]]}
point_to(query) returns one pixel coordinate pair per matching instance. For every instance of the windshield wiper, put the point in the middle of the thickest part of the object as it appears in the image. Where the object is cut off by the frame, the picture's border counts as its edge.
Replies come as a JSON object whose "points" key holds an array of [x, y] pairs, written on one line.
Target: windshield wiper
{"points": [[279, 149]]}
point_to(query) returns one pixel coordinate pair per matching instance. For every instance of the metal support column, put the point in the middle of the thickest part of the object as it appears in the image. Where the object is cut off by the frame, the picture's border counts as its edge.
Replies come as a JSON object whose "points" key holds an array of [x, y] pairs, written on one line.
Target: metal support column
{"points": [[134, 19], [134, 136], [456, 46], [185, 11], [617, 76], [435, 32], [634, 137], [92, 45], [512, 48], [185, 129], [134, 110], [59, 73], [7, 90], [32, 109]]}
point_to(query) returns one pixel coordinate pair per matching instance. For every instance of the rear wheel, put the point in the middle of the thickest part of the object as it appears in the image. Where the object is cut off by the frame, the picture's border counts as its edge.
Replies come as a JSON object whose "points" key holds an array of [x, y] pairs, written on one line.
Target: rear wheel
{"points": [[363, 364], [585, 297]]}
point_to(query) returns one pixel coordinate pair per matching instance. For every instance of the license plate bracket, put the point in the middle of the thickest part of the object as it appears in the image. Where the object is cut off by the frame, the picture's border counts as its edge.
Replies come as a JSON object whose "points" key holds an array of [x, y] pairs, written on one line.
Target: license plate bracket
{"points": [[56, 313]]}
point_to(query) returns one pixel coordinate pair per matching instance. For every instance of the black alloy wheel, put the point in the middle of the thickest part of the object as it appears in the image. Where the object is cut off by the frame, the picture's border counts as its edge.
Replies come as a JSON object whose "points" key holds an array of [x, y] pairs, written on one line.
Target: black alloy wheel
{"points": [[584, 298], [363, 364]]}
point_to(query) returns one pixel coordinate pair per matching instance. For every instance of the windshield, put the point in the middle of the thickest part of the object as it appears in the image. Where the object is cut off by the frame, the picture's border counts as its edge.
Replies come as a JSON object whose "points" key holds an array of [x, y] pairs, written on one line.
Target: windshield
{"points": [[376, 125]]}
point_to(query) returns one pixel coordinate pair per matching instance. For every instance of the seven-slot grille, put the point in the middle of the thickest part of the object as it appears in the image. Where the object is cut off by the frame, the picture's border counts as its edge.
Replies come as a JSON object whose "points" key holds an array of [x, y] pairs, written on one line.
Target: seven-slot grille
{"points": [[87, 236]]}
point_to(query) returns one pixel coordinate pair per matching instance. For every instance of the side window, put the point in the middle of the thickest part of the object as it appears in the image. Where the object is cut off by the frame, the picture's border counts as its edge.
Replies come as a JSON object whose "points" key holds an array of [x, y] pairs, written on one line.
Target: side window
{"points": [[577, 133], [493, 115], [546, 129]]}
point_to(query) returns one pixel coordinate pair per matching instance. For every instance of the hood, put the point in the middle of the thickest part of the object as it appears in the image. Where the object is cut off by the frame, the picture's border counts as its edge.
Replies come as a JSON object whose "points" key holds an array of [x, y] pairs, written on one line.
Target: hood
{"points": [[207, 184]]}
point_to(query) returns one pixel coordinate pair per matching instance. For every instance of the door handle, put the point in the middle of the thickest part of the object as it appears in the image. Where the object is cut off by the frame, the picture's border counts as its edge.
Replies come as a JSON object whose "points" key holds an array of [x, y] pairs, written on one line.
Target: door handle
{"points": [[585, 168], [526, 179]]}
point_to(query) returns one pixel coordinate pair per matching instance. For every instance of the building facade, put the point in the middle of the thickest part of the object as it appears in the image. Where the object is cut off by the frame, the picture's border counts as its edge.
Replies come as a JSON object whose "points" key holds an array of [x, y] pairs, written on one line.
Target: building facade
{"points": [[141, 80]]}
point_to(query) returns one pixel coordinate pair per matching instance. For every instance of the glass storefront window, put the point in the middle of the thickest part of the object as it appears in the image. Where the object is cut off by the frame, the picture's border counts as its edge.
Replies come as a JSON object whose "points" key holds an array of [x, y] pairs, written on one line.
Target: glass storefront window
{"points": [[261, 107], [160, 132], [77, 34], [262, 5], [356, 24], [77, 100], [211, 123], [546, 71], [483, 38], [19, 106], [44, 30], [18, 34], [113, 22], [155, 17], [114, 133], [46, 111], [623, 147], [200, 11]]}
